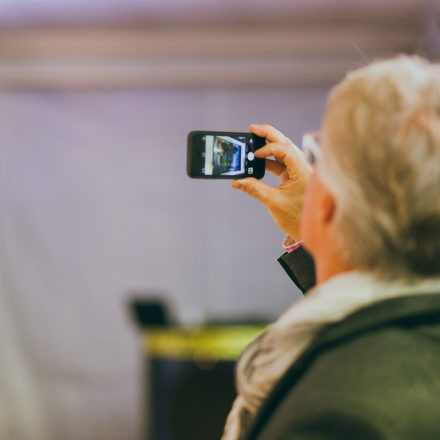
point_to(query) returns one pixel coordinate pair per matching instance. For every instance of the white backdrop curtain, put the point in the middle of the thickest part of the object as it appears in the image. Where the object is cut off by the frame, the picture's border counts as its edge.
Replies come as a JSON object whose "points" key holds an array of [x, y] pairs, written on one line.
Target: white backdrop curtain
{"points": [[95, 205]]}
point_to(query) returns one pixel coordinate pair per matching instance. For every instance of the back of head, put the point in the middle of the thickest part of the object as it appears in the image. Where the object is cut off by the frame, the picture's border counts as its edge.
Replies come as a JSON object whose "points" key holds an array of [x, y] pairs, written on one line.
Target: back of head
{"points": [[381, 160]]}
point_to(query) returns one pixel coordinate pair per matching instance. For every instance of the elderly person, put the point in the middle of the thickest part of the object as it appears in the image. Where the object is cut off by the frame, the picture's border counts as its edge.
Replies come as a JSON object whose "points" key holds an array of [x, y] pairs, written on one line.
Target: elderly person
{"points": [[359, 356]]}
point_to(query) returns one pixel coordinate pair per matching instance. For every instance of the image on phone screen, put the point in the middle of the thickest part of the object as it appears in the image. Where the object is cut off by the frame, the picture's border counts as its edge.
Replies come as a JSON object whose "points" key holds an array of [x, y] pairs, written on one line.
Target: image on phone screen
{"points": [[224, 155]]}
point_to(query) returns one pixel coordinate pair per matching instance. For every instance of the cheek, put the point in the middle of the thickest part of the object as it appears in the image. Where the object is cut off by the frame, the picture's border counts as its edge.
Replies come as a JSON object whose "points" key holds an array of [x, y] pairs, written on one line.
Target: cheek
{"points": [[308, 218]]}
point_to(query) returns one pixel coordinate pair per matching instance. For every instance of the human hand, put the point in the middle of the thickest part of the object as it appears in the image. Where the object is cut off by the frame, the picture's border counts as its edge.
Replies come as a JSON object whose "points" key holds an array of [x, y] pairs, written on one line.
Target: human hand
{"points": [[284, 202]]}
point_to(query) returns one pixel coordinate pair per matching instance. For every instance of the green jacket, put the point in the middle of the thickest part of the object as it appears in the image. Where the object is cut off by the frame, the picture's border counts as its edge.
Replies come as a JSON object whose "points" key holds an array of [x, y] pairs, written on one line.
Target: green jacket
{"points": [[374, 375]]}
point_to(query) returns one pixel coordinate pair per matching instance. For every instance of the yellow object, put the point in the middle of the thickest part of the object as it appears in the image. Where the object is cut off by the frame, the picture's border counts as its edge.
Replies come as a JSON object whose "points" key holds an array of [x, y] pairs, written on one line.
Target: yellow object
{"points": [[219, 343]]}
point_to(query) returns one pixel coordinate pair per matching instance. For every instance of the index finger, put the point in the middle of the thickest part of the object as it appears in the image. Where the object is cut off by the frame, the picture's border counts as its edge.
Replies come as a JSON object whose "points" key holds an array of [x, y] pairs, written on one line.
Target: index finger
{"points": [[271, 134], [287, 154]]}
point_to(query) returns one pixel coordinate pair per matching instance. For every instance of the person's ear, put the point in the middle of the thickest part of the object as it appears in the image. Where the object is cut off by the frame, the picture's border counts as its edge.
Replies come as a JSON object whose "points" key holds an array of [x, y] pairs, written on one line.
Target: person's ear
{"points": [[328, 206]]}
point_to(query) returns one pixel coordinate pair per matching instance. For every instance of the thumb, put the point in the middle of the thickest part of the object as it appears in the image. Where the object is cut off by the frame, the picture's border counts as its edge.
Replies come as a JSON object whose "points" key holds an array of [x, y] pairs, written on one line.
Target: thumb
{"points": [[253, 187]]}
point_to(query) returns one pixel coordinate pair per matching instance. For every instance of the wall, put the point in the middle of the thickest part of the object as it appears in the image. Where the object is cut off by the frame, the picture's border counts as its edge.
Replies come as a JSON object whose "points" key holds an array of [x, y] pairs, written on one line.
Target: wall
{"points": [[95, 205]]}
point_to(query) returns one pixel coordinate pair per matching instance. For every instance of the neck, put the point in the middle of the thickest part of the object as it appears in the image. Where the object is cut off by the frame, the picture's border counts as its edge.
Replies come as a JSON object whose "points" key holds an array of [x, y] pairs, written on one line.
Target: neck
{"points": [[324, 273], [329, 263]]}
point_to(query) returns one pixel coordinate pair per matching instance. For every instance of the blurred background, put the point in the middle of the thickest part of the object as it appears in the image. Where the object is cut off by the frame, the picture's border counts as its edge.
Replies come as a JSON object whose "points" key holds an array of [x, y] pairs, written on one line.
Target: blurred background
{"points": [[96, 100]]}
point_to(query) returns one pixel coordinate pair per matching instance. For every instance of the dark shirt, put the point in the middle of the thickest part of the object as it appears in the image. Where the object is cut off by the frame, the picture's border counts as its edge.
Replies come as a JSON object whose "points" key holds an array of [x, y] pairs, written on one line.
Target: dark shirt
{"points": [[374, 375]]}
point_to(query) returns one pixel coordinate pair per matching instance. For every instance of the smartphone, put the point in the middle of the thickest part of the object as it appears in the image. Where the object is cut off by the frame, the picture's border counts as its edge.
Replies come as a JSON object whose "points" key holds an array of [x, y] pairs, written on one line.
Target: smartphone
{"points": [[224, 155]]}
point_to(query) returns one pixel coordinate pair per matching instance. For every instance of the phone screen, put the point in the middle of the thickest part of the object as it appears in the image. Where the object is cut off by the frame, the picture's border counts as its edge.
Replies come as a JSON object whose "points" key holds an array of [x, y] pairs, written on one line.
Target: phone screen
{"points": [[218, 155]]}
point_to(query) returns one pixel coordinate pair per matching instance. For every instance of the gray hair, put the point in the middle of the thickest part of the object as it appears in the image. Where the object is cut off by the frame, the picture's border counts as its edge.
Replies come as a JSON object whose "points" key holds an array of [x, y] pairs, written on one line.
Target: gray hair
{"points": [[381, 160]]}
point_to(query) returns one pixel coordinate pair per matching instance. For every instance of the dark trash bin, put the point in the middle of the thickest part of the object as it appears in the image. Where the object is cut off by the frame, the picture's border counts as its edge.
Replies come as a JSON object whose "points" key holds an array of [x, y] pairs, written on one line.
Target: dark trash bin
{"points": [[190, 377]]}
